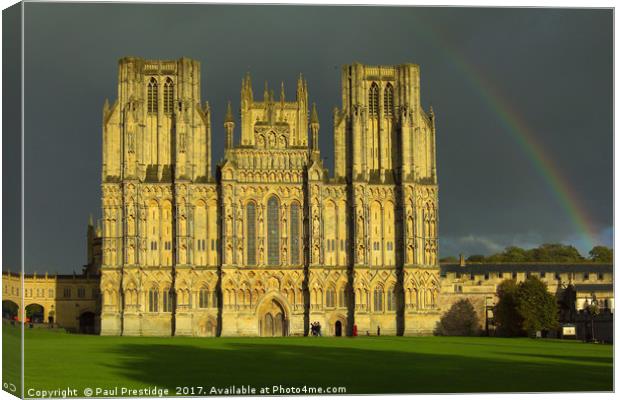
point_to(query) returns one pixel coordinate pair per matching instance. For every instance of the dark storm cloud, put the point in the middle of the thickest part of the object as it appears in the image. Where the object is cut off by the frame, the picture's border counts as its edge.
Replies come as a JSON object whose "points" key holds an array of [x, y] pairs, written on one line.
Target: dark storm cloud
{"points": [[554, 66]]}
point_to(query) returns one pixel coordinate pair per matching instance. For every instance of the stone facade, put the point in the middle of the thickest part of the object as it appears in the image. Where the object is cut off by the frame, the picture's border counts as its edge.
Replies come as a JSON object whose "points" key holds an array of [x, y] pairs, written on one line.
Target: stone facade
{"points": [[273, 242]]}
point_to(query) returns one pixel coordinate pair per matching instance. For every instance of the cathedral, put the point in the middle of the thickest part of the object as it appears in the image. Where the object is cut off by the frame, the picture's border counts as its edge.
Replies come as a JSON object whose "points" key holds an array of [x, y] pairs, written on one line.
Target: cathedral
{"points": [[267, 242]]}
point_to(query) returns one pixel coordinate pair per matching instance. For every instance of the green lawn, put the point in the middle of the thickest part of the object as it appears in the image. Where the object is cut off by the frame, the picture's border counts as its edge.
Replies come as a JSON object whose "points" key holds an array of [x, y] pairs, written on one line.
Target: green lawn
{"points": [[11, 357], [362, 364]]}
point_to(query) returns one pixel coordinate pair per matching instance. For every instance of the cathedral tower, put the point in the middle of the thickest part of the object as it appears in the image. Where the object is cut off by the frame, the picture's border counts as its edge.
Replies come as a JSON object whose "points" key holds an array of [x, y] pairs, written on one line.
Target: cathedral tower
{"points": [[156, 141], [385, 150]]}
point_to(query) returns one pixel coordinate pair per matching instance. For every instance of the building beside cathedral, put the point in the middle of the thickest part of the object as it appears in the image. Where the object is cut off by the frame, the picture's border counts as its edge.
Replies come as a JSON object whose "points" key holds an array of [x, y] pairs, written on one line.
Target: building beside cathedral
{"points": [[272, 242]]}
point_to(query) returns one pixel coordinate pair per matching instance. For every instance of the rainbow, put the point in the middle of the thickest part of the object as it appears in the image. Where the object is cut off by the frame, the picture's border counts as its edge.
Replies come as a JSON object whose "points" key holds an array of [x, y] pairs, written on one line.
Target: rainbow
{"points": [[522, 134]]}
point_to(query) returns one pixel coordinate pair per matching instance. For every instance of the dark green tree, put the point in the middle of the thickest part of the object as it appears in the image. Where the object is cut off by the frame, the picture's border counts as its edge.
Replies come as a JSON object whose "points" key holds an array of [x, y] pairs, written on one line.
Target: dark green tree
{"points": [[460, 320], [601, 254], [536, 306], [507, 318], [449, 259], [556, 252], [475, 258], [510, 254]]}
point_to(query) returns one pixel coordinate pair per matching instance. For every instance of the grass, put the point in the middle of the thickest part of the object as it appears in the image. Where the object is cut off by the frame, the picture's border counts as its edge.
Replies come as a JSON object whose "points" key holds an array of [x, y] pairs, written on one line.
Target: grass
{"points": [[11, 357], [361, 364]]}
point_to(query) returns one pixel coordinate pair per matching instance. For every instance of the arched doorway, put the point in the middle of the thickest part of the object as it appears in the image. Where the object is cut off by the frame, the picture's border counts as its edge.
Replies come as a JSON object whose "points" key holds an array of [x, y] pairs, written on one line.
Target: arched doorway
{"points": [[87, 322], [338, 328], [273, 321], [9, 309], [35, 313]]}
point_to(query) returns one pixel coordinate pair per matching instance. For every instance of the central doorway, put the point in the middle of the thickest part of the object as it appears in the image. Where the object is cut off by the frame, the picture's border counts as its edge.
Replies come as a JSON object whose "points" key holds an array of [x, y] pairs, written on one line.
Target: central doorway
{"points": [[273, 321]]}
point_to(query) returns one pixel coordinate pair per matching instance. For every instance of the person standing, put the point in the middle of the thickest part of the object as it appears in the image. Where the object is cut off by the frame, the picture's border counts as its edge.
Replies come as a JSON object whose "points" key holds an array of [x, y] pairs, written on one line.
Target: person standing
{"points": [[378, 330]]}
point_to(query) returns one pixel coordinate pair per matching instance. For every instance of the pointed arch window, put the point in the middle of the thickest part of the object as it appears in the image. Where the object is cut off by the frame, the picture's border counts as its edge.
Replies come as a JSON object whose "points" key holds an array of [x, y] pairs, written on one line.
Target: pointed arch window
{"points": [[373, 100], [378, 303], [388, 100], [168, 96], [153, 300], [152, 96], [168, 297], [391, 299], [250, 215], [295, 248], [203, 298], [330, 297], [273, 231]]}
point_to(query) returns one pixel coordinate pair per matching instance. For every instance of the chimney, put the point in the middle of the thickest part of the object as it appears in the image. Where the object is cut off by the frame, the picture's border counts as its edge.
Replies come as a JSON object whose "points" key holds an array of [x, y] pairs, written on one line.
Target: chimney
{"points": [[461, 260]]}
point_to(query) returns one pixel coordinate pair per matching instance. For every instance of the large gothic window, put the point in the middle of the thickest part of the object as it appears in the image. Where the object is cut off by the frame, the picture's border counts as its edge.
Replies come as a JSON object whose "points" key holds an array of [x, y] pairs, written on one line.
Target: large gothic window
{"points": [[250, 215], [388, 100], [295, 250], [373, 100], [152, 96], [168, 96], [273, 231]]}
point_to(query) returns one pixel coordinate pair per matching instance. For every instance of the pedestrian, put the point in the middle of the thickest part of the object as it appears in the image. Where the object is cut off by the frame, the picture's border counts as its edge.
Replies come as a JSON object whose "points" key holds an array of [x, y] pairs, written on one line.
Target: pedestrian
{"points": [[378, 331]]}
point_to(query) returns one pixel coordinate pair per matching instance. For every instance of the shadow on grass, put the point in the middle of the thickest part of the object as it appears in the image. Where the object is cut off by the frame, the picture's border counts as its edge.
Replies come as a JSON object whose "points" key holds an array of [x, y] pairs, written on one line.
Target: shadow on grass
{"points": [[585, 361], [359, 370]]}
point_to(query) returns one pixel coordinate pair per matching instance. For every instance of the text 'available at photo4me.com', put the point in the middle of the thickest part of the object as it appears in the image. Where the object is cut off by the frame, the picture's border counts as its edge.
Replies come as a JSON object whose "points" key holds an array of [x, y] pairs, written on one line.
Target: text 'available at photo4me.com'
{"points": [[155, 391]]}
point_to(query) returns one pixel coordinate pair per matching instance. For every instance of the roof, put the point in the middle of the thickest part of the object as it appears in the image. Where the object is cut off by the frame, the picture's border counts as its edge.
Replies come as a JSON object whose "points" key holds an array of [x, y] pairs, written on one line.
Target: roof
{"points": [[526, 267]]}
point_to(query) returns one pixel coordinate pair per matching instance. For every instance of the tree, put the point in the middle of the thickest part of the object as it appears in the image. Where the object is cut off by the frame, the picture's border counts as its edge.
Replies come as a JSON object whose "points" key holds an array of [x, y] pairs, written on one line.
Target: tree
{"points": [[449, 259], [510, 254], [556, 252], [475, 258], [536, 306], [507, 317], [460, 320], [601, 254]]}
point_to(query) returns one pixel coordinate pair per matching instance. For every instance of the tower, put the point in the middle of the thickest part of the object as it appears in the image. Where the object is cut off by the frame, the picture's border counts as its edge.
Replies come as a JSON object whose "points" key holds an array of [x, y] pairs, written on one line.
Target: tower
{"points": [[156, 141], [385, 151]]}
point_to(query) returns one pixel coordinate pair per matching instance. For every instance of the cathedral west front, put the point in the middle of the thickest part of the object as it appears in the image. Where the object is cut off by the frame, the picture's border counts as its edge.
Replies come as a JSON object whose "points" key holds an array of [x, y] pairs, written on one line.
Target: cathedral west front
{"points": [[268, 241]]}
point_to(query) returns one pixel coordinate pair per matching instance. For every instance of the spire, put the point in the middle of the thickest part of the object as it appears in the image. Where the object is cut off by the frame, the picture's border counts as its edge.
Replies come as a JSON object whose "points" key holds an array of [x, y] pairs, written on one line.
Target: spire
{"points": [[229, 125], [229, 114], [282, 92], [99, 231], [248, 79], [90, 220], [266, 93], [106, 107], [314, 117], [246, 90], [314, 127]]}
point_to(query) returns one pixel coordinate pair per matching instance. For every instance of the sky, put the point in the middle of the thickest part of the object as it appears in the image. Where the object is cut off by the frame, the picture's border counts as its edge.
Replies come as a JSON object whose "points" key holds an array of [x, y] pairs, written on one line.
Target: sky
{"points": [[522, 99]]}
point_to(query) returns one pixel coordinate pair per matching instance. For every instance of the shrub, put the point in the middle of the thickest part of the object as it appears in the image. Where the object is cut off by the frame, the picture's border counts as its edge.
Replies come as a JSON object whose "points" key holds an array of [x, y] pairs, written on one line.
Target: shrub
{"points": [[460, 320]]}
